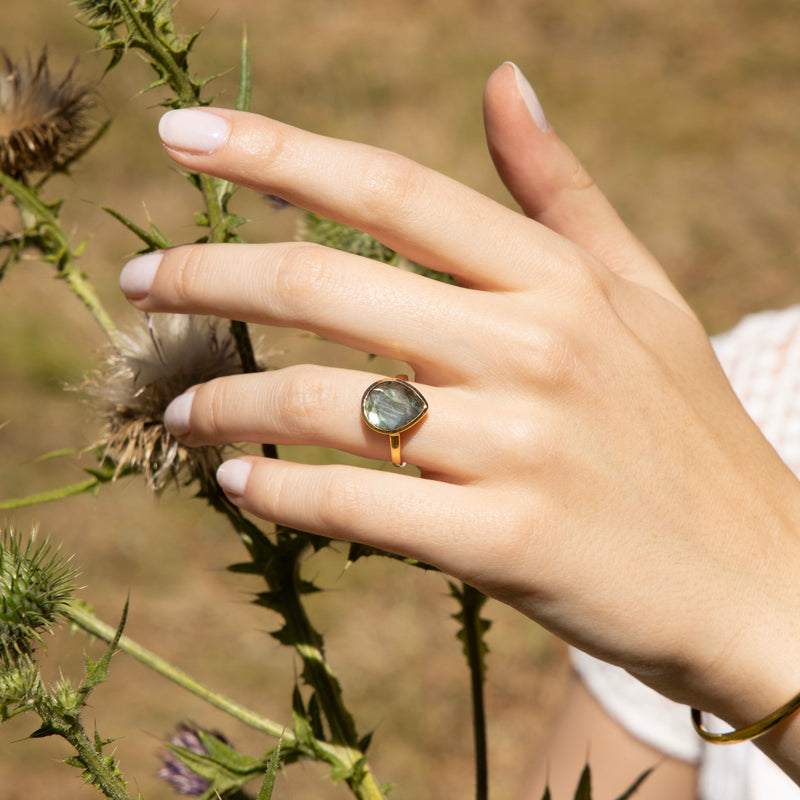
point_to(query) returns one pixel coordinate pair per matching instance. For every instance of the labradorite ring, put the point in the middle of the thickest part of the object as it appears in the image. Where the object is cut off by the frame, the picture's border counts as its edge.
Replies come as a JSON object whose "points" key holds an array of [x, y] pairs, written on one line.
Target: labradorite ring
{"points": [[391, 406]]}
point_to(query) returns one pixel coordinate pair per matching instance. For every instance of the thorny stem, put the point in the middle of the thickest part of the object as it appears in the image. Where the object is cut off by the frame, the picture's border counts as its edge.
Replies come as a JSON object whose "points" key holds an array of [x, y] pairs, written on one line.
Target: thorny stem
{"points": [[43, 231], [155, 48], [91, 624], [79, 284], [103, 777], [218, 232], [471, 602], [284, 579], [318, 674]]}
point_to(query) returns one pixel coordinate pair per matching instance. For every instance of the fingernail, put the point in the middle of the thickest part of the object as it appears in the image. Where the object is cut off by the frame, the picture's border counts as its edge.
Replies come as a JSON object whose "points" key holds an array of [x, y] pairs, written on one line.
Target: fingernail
{"points": [[178, 414], [193, 130], [232, 476], [137, 276], [531, 100]]}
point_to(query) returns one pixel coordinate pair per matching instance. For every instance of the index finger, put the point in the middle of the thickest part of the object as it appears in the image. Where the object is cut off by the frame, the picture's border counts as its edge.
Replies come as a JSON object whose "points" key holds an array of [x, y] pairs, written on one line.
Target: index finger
{"points": [[416, 211]]}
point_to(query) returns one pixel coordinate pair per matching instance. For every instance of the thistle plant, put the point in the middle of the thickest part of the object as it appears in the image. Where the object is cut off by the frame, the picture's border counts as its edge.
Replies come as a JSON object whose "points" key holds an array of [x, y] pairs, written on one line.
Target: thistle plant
{"points": [[36, 585], [44, 122], [46, 125], [132, 387]]}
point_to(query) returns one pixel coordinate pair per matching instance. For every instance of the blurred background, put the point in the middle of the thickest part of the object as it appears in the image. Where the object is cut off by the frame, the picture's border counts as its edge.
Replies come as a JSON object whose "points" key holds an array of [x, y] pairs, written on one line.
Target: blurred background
{"points": [[685, 113]]}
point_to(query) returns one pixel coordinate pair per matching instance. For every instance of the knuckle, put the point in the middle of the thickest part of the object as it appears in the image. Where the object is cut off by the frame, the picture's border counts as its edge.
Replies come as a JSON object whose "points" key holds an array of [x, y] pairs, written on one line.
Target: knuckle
{"points": [[393, 185], [307, 399], [215, 403], [302, 276], [183, 274], [341, 500], [548, 355], [579, 179]]}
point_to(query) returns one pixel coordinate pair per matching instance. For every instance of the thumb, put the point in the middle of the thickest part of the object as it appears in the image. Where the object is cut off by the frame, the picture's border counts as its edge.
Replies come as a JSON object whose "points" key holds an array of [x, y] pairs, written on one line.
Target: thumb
{"points": [[552, 187]]}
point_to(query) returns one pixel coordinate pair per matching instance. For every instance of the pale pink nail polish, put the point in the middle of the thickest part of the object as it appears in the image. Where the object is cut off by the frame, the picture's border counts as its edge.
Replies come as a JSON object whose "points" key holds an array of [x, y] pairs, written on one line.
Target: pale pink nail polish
{"points": [[232, 477], [193, 130], [137, 276], [178, 414], [531, 100]]}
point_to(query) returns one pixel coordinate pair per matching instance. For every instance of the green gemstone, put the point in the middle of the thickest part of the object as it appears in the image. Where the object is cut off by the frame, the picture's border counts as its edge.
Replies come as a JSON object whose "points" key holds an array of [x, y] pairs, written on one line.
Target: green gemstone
{"points": [[392, 406]]}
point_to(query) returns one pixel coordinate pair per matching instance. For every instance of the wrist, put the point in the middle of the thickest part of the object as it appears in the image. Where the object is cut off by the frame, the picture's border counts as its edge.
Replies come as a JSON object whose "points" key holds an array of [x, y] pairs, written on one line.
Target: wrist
{"points": [[756, 668]]}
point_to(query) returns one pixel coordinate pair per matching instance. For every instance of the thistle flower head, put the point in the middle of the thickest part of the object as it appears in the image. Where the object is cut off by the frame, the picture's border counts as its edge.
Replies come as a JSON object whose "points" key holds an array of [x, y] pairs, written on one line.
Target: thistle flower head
{"points": [[44, 120], [132, 388], [35, 585], [179, 774], [20, 686]]}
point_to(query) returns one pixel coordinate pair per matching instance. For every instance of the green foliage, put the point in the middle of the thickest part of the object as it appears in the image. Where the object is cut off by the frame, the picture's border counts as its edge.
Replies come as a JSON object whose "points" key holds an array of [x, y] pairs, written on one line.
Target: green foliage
{"points": [[473, 630], [20, 686], [89, 759], [584, 789], [42, 230], [147, 25], [272, 769], [36, 582], [636, 785], [225, 769], [327, 232]]}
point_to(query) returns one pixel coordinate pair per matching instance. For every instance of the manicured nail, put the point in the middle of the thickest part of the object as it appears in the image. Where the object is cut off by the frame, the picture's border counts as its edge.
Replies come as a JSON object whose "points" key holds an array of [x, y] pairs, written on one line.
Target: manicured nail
{"points": [[178, 414], [531, 100], [232, 476], [137, 276], [193, 130]]}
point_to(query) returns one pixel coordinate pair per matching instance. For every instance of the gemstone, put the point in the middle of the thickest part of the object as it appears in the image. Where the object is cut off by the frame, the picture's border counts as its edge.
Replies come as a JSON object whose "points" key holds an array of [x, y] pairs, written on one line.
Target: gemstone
{"points": [[392, 406]]}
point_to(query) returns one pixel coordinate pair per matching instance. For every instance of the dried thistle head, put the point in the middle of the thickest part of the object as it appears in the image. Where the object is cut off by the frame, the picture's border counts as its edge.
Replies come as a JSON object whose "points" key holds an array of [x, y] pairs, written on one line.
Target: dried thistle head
{"points": [[35, 584], [152, 365], [44, 120]]}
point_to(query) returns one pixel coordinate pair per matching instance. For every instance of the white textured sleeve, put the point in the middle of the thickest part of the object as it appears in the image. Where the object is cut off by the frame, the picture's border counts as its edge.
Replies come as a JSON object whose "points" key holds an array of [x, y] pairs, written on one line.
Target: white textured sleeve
{"points": [[660, 723]]}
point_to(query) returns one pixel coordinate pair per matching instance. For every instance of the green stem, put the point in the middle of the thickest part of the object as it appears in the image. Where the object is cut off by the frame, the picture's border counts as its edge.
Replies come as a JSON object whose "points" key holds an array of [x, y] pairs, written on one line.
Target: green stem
{"points": [[472, 602], [279, 567], [112, 786], [146, 40], [80, 286], [308, 643], [102, 775], [91, 624], [217, 232], [42, 231], [53, 494]]}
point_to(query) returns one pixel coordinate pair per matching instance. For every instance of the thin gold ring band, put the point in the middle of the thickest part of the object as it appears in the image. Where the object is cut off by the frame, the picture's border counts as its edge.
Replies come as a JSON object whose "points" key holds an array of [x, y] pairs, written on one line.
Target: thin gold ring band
{"points": [[391, 406]]}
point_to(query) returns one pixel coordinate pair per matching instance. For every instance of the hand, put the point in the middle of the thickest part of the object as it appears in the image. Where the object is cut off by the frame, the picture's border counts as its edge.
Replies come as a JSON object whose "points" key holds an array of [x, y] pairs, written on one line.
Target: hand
{"points": [[584, 458]]}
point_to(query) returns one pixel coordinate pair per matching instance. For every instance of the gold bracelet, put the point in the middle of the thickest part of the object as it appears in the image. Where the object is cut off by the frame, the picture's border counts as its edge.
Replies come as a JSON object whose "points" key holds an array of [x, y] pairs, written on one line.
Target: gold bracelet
{"points": [[751, 731]]}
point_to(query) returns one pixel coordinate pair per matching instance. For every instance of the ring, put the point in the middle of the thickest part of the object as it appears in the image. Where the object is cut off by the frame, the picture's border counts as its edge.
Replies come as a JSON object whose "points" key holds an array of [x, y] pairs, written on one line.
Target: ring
{"points": [[391, 406]]}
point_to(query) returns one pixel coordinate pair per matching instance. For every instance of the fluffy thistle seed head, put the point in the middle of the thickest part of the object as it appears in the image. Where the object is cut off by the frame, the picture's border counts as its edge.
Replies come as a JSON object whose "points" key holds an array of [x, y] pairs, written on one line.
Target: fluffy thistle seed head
{"points": [[44, 120], [35, 585], [152, 365]]}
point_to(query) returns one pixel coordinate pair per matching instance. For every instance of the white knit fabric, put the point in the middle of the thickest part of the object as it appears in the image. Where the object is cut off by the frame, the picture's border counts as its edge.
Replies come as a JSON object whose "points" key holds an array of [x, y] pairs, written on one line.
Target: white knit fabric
{"points": [[761, 357]]}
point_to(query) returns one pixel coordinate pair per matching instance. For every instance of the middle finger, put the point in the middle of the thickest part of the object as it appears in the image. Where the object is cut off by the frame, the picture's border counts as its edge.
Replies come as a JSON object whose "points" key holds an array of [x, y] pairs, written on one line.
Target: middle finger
{"points": [[355, 301]]}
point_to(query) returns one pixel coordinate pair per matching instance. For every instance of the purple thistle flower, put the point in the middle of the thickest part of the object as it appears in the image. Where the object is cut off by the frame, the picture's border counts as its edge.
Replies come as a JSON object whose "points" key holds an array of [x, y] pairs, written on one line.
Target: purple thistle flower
{"points": [[174, 771]]}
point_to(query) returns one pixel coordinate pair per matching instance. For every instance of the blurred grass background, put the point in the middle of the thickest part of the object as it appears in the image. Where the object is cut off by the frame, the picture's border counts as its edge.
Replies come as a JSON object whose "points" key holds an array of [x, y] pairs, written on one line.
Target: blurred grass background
{"points": [[685, 113]]}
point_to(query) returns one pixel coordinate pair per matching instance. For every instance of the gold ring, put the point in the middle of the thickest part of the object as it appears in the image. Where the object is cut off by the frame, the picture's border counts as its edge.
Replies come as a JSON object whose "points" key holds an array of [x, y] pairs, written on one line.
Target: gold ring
{"points": [[391, 406]]}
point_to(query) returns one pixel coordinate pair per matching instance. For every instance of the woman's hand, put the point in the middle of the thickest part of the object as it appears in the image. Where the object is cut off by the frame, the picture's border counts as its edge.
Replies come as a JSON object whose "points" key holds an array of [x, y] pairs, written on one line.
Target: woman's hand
{"points": [[584, 458]]}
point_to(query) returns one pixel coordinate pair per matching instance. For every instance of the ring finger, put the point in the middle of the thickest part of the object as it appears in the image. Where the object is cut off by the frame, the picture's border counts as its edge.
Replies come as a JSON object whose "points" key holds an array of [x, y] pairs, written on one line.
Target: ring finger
{"points": [[320, 406]]}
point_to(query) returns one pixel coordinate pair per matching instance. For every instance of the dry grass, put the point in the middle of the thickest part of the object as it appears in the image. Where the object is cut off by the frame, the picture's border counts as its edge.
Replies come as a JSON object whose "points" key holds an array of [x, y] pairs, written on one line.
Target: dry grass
{"points": [[685, 112]]}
